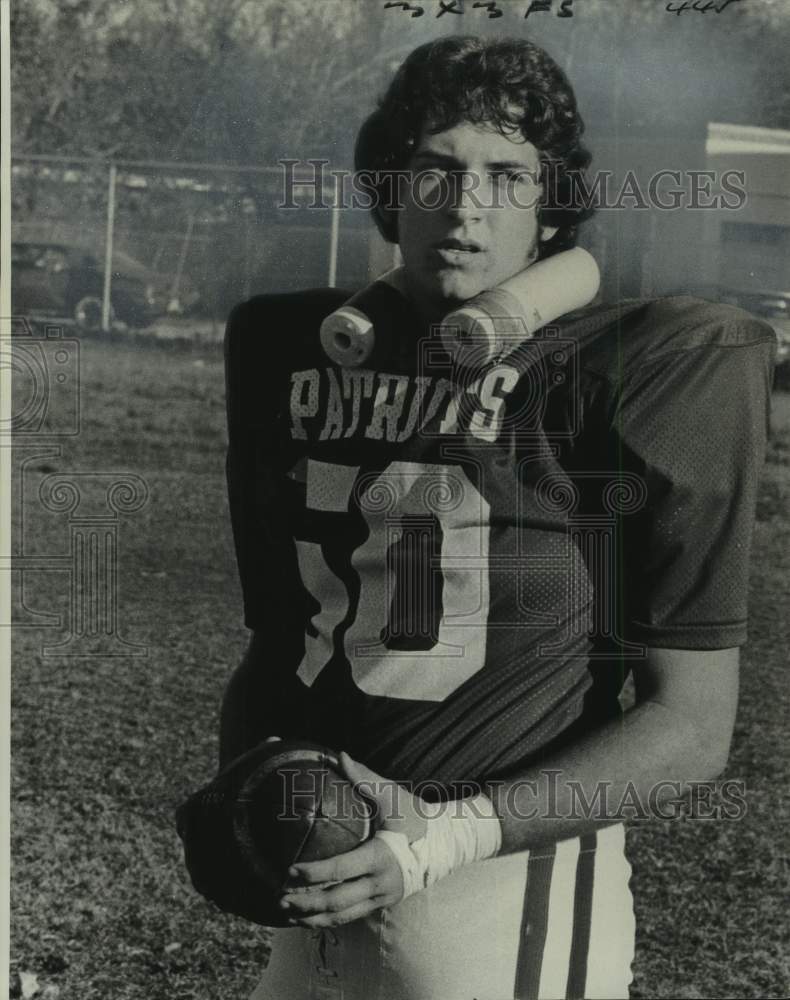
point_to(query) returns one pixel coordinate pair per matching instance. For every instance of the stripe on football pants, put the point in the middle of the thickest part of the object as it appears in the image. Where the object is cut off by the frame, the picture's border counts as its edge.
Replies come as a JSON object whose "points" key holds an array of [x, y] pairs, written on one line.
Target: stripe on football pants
{"points": [[582, 917], [534, 922], [557, 952]]}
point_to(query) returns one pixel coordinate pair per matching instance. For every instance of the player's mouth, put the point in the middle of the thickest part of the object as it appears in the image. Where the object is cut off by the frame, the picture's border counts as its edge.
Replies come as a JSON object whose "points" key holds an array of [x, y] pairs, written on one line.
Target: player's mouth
{"points": [[457, 252]]}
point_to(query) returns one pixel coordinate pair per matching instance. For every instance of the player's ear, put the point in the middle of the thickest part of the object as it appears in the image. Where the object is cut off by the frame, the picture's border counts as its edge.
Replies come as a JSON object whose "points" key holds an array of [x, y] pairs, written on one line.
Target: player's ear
{"points": [[547, 232]]}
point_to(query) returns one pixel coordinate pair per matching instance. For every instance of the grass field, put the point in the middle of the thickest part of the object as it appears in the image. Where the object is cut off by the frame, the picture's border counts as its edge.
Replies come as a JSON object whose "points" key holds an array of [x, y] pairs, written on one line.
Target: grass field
{"points": [[104, 748]]}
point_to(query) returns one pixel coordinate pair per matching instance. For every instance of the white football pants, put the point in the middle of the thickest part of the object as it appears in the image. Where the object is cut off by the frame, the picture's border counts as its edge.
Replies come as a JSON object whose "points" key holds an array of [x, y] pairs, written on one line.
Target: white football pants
{"points": [[551, 924]]}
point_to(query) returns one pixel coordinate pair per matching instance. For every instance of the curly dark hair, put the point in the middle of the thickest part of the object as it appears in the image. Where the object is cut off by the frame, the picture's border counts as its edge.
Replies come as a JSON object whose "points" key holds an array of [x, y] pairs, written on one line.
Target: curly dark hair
{"points": [[508, 82]]}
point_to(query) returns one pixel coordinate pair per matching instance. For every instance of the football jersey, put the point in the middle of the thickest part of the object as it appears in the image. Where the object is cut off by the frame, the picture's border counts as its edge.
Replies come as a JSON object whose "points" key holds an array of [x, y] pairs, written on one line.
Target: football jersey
{"points": [[450, 566]]}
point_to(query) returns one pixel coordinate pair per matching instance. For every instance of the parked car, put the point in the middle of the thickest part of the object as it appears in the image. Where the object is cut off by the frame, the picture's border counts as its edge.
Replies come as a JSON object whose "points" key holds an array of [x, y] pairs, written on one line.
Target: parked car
{"points": [[774, 309], [57, 280]]}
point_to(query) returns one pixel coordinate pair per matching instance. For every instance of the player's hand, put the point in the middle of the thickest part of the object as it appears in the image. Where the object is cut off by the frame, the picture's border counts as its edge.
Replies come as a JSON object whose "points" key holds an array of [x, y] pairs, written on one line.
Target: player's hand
{"points": [[367, 878]]}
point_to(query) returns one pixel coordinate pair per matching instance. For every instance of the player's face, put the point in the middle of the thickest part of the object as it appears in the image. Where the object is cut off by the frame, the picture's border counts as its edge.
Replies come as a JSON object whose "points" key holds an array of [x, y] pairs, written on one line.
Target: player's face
{"points": [[485, 228]]}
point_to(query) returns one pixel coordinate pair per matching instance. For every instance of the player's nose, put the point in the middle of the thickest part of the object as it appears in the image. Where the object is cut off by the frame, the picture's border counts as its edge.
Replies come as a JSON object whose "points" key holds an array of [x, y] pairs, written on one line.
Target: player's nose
{"points": [[464, 196]]}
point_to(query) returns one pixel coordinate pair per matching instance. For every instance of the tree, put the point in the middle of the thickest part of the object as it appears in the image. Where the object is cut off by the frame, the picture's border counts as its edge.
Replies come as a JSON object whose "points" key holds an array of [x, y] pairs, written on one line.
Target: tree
{"points": [[252, 80]]}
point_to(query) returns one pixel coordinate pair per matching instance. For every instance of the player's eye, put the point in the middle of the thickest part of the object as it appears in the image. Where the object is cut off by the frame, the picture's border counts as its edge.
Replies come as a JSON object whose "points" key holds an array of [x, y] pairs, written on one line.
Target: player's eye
{"points": [[440, 169], [449, 174], [430, 176], [512, 176]]}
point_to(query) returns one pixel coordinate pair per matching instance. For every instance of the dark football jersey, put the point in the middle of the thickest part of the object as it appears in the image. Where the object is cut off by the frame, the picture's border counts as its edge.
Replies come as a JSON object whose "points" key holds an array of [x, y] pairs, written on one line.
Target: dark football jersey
{"points": [[449, 564]]}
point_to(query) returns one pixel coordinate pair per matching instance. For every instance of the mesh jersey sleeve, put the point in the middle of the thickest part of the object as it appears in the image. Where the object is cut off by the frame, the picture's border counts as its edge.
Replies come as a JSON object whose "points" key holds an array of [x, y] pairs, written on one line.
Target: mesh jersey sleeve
{"points": [[692, 424]]}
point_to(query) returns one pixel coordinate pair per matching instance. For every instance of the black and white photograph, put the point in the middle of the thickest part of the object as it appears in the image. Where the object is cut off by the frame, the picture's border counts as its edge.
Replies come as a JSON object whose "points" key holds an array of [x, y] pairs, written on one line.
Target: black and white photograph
{"points": [[396, 523]]}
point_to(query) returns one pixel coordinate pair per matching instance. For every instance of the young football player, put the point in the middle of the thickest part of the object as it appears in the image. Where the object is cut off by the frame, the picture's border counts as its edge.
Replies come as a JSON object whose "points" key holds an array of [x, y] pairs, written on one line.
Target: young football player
{"points": [[449, 571]]}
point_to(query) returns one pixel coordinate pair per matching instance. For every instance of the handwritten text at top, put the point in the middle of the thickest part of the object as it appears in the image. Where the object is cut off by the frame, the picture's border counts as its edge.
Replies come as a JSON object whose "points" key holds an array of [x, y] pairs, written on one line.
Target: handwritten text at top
{"points": [[700, 6], [562, 8], [489, 8]]}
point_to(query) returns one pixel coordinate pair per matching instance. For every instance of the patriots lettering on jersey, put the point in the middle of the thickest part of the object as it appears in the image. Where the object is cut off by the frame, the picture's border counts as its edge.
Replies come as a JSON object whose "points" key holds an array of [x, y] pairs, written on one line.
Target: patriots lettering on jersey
{"points": [[331, 403]]}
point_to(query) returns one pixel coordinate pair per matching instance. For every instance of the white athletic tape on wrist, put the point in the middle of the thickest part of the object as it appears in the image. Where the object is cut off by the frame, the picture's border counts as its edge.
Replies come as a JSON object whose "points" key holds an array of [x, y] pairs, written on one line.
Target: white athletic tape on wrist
{"points": [[457, 834]]}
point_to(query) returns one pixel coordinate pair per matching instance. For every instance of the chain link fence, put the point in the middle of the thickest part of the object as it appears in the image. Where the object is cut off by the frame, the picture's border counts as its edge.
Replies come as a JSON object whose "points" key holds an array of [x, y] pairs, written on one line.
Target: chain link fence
{"points": [[196, 238]]}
